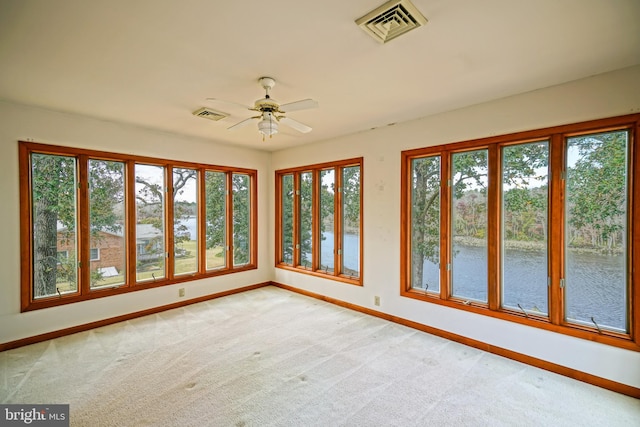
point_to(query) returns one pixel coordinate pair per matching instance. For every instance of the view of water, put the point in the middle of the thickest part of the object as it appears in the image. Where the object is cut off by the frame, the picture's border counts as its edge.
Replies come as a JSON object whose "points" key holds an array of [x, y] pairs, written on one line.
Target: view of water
{"points": [[595, 283], [351, 252]]}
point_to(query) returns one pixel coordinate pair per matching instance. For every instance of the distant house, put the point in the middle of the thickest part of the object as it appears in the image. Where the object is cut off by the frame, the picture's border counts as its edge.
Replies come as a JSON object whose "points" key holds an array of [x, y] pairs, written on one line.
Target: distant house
{"points": [[107, 251]]}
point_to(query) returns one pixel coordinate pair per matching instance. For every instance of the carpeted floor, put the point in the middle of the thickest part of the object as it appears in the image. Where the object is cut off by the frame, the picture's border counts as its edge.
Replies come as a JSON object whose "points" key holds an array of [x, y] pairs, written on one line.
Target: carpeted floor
{"points": [[270, 357]]}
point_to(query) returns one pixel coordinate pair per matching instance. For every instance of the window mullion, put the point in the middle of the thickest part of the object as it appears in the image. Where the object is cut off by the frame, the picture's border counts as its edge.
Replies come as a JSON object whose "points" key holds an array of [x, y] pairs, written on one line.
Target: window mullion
{"points": [[228, 247], [296, 219], [83, 239], [493, 228], [169, 227], [556, 229], [337, 220], [445, 226], [315, 220], [202, 221], [131, 246]]}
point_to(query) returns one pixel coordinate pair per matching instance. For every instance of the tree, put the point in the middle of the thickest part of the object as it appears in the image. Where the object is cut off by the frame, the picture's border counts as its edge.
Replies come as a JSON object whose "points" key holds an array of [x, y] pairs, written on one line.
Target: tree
{"points": [[596, 189], [215, 198], [54, 203], [469, 174], [241, 218]]}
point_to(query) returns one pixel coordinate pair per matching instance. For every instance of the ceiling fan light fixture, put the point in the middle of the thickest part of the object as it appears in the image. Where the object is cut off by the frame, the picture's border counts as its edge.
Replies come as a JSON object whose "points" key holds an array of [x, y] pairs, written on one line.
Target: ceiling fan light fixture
{"points": [[267, 126]]}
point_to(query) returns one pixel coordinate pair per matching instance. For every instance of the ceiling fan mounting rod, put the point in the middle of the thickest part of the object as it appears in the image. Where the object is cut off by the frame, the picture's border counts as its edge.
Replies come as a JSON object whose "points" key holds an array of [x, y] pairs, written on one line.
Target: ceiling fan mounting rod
{"points": [[267, 83]]}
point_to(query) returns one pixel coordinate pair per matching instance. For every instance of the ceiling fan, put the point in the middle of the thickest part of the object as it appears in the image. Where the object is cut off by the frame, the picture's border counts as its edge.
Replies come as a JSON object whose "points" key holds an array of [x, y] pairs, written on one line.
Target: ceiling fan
{"points": [[271, 112]]}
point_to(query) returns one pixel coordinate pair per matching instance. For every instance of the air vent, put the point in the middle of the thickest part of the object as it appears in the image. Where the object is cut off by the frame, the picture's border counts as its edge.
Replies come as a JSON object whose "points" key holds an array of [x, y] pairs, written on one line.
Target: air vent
{"points": [[391, 20], [210, 114]]}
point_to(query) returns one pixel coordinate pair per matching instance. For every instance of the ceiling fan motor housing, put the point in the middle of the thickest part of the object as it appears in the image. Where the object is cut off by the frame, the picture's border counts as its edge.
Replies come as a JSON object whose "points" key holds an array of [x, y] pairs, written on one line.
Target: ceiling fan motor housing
{"points": [[267, 105]]}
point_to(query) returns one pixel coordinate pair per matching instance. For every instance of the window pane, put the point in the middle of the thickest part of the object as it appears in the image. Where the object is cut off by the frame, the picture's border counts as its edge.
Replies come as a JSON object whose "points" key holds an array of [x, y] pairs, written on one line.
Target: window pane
{"points": [[53, 192], [216, 195], [327, 241], [241, 220], [107, 223], [425, 224], [185, 221], [150, 227], [596, 229], [287, 219], [351, 221], [469, 225], [525, 194], [306, 219]]}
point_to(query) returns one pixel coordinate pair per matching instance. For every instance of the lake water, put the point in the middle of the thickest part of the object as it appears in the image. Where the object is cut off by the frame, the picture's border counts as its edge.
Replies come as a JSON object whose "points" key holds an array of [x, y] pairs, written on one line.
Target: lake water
{"points": [[595, 283]]}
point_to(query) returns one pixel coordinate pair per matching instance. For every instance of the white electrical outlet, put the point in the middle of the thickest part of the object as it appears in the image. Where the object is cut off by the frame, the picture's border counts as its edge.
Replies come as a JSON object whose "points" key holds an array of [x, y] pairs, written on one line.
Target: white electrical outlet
{"points": [[181, 292], [376, 300]]}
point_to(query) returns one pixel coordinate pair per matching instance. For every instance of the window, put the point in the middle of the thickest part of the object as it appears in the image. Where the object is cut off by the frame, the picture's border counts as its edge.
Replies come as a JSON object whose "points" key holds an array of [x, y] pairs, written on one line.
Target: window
{"points": [[185, 221], [319, 220], [94, 254], [107, 219], [96, 224], [215, 221], [535, 228]]}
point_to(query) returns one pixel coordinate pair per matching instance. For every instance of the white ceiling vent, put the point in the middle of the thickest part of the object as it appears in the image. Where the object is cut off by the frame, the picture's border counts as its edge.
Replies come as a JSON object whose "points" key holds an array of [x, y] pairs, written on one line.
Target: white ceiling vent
{"points": [[208, 113], [391, 20]]}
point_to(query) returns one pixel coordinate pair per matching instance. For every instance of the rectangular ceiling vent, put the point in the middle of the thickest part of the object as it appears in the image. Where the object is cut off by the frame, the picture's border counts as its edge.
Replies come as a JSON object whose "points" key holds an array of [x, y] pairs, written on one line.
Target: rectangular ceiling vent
{"points": [[207, 113], [391, 20]]}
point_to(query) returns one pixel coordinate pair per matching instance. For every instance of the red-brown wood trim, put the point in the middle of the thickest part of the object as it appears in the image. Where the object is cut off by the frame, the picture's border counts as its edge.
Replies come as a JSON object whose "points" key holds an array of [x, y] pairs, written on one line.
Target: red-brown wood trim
{"points": [[494, 180], [83, 237], [321, 273], [337, 167], [253, 219], [405, 223], [510, 354], [571, 129], [26, 243], [445, 226], [557, 140], [99, 323], [556, 227], [169, 259], [634, 229], [27, 302], [202, 213], [295, 217], [337, 222]]}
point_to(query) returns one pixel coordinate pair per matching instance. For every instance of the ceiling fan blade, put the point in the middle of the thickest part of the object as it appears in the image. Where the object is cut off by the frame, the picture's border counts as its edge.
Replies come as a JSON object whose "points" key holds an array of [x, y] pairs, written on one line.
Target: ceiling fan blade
{"points": [[228, 102], [242, 123], [303, 104], [294, 124]]}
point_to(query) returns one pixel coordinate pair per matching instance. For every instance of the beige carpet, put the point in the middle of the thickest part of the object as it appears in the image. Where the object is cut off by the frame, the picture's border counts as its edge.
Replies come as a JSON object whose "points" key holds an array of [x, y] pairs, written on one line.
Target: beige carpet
{"points": [[270, 357]]}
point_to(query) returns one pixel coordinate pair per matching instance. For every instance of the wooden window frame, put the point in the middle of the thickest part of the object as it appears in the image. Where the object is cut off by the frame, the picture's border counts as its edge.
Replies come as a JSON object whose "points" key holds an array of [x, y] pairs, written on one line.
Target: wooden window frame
{"points": [[556, 136], [314, 270], [84, 291]]}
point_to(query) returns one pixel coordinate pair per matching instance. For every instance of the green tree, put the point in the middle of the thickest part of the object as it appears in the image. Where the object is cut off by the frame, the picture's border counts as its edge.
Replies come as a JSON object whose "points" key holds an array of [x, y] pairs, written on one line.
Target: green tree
{"points": [[596, 189], [468, 185], [241, 218], [215, 198], [54, 192]]}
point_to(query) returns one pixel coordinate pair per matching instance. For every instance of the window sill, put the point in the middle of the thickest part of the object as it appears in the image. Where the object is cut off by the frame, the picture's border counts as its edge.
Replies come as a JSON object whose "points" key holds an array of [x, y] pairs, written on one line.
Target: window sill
{"points": [[54, 301], [341, 278], [605, 337]]}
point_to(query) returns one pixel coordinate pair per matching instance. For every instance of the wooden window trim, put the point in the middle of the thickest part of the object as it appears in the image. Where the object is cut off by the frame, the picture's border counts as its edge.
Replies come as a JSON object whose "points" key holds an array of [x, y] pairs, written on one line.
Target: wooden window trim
{"points": [[556, 136], [316, 169], [84, 292]]}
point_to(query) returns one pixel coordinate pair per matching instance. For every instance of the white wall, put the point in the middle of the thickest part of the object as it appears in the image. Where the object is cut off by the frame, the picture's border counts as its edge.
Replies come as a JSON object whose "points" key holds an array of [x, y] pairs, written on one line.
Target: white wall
{"points": [[601, 96], [19, 122]]}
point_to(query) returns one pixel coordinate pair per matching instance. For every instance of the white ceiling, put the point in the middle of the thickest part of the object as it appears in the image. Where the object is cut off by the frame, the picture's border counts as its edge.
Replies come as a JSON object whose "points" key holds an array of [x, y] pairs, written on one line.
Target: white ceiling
{"points": [[153, 62]]}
